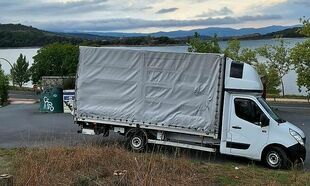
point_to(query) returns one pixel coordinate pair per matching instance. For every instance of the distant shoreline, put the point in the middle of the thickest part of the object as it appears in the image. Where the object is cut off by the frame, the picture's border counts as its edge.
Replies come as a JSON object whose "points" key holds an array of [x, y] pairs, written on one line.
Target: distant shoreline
{"points": [[158, 45], [28, 47]]}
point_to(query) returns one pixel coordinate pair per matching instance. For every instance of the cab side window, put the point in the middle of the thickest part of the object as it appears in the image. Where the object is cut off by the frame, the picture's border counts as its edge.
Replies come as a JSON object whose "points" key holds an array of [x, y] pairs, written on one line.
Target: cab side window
{"points": [[248, 110]]}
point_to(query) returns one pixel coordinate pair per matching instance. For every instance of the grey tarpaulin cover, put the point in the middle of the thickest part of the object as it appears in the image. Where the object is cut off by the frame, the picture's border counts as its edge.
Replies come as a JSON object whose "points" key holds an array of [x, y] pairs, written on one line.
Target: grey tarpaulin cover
{"points": [[158, 88]]}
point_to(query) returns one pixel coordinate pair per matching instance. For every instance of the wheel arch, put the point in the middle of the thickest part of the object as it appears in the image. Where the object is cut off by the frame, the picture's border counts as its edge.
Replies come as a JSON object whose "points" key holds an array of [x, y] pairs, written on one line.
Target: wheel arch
{"points": [[270, 146], [136, 130]]}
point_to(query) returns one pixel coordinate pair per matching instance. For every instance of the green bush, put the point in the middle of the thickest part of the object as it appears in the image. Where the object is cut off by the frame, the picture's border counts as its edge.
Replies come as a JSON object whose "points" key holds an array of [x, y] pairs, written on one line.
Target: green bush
{"points": [[196, 44], [4, 86], [55, 60]]}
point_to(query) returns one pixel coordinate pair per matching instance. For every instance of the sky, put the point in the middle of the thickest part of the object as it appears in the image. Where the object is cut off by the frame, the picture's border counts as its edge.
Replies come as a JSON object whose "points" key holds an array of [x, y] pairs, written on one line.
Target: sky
{"points": [[146, 16]]}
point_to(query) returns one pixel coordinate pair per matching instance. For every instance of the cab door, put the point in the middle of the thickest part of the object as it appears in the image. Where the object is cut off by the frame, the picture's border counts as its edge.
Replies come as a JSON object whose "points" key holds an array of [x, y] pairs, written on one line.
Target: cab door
{"points": [[248, 135]]}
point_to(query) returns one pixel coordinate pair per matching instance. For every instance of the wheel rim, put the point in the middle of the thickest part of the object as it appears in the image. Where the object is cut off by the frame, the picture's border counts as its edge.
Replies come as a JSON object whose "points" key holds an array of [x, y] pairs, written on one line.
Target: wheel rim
{"points": [[136, 142], [273, 159]]}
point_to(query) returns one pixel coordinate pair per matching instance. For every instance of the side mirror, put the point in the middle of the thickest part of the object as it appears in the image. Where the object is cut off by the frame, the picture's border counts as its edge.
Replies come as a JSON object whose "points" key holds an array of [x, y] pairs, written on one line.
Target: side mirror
{"points": [[264, 120]]}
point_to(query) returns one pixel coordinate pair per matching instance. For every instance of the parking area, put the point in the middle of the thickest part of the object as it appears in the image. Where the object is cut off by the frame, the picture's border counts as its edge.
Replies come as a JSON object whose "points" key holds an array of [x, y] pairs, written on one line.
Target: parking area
{"points": [[24, 125]]}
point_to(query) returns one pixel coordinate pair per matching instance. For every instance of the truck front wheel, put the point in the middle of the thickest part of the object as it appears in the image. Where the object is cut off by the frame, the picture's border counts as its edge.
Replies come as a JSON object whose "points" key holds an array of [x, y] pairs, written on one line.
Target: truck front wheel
{"points": [[276, 158]]}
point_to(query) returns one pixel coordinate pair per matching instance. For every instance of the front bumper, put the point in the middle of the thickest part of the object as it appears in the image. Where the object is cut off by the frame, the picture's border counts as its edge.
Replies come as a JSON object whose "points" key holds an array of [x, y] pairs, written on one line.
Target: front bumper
{"points": [[296, 152]]}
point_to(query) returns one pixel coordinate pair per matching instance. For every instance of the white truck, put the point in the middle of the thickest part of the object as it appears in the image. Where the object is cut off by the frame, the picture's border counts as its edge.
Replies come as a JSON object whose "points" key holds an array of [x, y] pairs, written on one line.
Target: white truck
{"points": [[198, 101]]}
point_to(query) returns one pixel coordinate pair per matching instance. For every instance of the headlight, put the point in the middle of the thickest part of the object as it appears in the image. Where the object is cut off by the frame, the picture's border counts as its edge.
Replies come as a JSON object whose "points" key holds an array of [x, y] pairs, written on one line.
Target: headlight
{"points": [[297, 137]]}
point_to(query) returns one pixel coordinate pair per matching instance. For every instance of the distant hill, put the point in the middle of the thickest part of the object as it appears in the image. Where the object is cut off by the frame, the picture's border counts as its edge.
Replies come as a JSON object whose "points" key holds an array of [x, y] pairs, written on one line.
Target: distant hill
{"points": [[221, 32], [118, 34], [17, 35], [89, 36], [288, 33]]}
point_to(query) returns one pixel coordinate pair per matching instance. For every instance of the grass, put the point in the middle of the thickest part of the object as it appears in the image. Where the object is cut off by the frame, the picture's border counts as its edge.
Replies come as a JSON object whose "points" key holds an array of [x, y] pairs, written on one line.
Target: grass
{"points": [[114, 165]]}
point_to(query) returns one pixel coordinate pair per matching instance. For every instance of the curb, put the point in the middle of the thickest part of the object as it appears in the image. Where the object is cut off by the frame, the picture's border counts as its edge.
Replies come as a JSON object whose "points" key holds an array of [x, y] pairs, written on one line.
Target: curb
{"points": [[16, 101], [288, 100]]}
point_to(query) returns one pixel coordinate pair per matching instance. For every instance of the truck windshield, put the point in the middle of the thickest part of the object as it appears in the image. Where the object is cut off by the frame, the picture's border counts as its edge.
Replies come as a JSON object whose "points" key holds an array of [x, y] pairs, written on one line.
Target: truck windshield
{"points": [[269, 110]]}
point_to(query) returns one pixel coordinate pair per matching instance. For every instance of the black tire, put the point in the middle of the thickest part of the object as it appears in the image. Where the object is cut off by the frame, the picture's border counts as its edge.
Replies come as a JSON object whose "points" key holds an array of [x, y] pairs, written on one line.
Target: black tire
{"points": [[137, 141], [276, 158]]}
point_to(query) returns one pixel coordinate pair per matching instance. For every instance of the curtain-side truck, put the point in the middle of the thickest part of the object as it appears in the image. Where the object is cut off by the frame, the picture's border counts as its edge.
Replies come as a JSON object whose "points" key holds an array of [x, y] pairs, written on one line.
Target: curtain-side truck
{"points": [[198, 101]]}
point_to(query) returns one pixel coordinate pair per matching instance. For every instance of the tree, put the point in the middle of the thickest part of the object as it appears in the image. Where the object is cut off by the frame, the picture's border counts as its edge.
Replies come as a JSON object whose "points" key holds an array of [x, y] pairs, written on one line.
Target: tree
{"points": [[232, 50], [4, 86], [272, 77], [305, 29], [248, 56], [245, 55], [301, 58], [278, 57], [55, 60], [196, 44], [20, 72]]}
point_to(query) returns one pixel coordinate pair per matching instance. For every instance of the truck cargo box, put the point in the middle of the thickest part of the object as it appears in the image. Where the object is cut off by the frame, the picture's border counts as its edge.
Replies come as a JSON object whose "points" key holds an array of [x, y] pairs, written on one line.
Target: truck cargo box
{"points": [[177, 90]]}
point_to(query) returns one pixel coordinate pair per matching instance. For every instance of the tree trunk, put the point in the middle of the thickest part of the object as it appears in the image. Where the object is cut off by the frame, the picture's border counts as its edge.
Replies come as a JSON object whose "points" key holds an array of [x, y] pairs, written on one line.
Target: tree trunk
{"points": [[282, 84], [13, 84]]}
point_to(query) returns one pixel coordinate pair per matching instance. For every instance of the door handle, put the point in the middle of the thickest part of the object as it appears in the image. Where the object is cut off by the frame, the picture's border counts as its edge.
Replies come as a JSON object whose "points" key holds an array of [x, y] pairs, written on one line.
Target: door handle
{"points": [[236, 127]]}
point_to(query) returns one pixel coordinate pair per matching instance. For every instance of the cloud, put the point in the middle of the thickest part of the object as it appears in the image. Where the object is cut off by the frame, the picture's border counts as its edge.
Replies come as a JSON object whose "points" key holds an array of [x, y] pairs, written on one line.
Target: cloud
{"points": [[166, 10], [130, 23], [137, 8], [52, 8], [212, 12], [120, 15], [302, 2], [146, 8], [198, 1]]}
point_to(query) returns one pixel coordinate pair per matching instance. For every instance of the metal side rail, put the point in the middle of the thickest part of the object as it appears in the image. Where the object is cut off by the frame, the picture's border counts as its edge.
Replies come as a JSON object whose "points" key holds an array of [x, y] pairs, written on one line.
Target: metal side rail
{"points": [[182, 145], [145, 126]]}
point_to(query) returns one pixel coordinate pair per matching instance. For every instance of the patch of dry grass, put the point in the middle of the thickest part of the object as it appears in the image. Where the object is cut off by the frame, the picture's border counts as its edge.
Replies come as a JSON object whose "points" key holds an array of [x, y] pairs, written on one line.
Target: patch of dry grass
{"points": [[114, 165]]}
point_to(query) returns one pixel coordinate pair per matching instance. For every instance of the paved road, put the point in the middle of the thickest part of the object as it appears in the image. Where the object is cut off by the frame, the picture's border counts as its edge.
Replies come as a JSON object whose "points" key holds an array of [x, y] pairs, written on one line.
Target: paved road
{"points": [[23, 95], [299, 115], [23, 125]]}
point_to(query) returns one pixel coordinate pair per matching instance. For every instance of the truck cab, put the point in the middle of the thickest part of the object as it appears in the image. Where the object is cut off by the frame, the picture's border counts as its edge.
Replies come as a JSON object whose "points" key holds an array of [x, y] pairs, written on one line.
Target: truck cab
{"points": [[250, 128]]}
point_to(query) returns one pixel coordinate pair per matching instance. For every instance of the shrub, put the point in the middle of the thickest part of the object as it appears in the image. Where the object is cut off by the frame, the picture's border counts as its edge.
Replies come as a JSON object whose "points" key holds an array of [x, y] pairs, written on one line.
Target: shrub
{"points": [[4, 86]]}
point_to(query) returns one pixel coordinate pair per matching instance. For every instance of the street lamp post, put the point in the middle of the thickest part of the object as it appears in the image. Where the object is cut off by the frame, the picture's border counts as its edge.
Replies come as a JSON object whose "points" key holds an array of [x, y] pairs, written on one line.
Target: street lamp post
{"points": [[11, 68]]}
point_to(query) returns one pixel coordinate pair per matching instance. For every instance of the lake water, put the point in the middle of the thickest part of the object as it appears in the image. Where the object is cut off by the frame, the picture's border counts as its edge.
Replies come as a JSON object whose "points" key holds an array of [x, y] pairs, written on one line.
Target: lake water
{"points": [[289, 79]]}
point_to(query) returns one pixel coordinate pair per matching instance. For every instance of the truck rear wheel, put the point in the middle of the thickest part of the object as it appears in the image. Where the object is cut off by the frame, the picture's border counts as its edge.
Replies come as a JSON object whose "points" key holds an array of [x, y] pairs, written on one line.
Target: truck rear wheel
{"points": [[276, 158], [137, 140]]}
